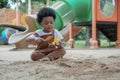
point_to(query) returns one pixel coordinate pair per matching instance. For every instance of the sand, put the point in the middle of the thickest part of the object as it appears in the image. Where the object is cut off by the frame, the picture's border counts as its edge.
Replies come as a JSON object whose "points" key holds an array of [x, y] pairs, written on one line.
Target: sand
{"points": [[77, 64]]}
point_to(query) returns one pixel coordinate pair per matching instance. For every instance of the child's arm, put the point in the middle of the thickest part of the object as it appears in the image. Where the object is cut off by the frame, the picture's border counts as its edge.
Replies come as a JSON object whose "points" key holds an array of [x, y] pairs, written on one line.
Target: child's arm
{"points": [[62, 43], [35, 37]]}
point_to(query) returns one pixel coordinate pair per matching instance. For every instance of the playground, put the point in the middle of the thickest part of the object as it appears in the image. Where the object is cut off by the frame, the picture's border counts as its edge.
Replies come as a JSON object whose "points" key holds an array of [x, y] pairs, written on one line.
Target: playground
{"points": [[89, 63], [102, 19]]}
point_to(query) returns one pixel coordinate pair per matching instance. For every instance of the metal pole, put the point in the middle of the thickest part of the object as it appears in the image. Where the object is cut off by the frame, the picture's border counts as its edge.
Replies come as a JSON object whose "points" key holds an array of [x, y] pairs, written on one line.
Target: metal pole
{"points": [[17, 12], [47, 3], [29, 7]]}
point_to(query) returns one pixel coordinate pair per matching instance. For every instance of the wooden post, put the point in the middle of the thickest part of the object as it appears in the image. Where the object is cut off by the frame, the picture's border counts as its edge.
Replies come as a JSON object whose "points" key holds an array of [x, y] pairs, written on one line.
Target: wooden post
{"points": [[71, 40], [93, 40], [118, 26]]}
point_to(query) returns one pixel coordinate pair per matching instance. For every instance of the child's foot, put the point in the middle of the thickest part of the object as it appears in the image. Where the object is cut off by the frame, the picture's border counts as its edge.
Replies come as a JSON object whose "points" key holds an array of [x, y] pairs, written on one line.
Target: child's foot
{"points": [[45, 59]]}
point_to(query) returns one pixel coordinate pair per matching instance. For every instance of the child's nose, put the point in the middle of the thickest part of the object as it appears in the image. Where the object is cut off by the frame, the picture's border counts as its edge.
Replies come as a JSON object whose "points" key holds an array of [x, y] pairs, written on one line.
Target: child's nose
{"points": [[50, 25]]}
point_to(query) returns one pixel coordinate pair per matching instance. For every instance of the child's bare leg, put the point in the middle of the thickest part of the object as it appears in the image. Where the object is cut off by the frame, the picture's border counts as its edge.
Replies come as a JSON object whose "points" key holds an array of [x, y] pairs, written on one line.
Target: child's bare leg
{"points": [[36, 55], [56, 54]]}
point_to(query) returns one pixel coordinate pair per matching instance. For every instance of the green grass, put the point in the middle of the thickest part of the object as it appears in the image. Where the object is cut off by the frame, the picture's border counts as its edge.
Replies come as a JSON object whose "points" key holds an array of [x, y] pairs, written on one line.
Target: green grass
{"points": [[105, 43], [77, 43], [81, 43]]}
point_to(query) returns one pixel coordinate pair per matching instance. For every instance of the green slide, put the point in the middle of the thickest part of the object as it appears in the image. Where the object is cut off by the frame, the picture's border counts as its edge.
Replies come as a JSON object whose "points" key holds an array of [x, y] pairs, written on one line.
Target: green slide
{"points": [[71, 10]]}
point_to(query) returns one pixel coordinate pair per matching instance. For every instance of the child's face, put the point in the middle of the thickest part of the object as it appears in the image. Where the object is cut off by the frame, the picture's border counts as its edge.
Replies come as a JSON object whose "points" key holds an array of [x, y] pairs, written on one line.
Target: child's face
{"points": [[47, 23]]}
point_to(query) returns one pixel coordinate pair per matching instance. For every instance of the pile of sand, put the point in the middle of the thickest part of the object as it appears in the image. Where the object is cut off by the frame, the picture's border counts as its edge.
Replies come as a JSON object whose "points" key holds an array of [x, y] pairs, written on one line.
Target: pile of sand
{"points": [[63, 69]]}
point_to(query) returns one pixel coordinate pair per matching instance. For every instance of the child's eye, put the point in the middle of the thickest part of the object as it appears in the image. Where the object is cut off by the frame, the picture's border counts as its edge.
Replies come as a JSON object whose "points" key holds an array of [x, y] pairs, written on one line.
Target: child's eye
{"points": [[48, 23], [51, 23]]}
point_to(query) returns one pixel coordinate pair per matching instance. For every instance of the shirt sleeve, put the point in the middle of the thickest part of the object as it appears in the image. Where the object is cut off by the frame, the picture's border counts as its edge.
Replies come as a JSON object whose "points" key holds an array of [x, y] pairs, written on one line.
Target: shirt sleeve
{"points": [[58, 34], [33, 36]]}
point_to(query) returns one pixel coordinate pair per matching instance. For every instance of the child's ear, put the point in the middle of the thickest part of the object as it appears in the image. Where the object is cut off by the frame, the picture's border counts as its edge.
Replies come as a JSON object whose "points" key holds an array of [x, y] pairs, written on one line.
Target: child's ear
{"points": [[38, 25]]}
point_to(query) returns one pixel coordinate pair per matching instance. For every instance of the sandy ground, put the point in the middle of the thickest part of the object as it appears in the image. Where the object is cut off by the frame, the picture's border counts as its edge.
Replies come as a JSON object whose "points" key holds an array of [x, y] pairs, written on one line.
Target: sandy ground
{"points": [[77, 64]]}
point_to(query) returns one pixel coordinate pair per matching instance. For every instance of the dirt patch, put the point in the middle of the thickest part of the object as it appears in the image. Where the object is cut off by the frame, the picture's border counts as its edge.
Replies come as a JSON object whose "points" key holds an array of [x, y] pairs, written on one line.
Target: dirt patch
{"points": [[63, 69]]}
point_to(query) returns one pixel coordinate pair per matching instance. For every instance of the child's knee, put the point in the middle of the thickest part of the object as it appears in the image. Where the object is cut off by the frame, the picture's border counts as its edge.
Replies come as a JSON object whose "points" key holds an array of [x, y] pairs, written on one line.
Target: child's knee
{"points": [[63, 52], [35, 56]]}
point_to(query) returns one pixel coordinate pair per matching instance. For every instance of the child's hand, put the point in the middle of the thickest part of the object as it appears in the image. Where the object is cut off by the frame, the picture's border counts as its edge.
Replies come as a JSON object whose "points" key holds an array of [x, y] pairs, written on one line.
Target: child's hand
{"points": [[38, 40], [62, 43], [51, 46]]}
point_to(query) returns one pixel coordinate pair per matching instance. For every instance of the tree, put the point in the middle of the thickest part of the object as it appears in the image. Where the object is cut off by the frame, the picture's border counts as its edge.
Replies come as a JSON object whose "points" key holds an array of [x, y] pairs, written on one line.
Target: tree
{"points": [[36, 5], [6, 3], [3, 3]]}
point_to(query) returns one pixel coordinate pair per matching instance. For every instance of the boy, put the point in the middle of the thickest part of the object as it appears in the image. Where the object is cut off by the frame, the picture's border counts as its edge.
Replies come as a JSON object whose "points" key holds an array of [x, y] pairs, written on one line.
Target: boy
{"points": [[47, 49]]}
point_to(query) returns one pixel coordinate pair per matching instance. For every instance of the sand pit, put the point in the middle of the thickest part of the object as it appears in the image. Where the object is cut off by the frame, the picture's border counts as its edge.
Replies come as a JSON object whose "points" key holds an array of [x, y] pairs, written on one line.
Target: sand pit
{"points": [[77, 64]]}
